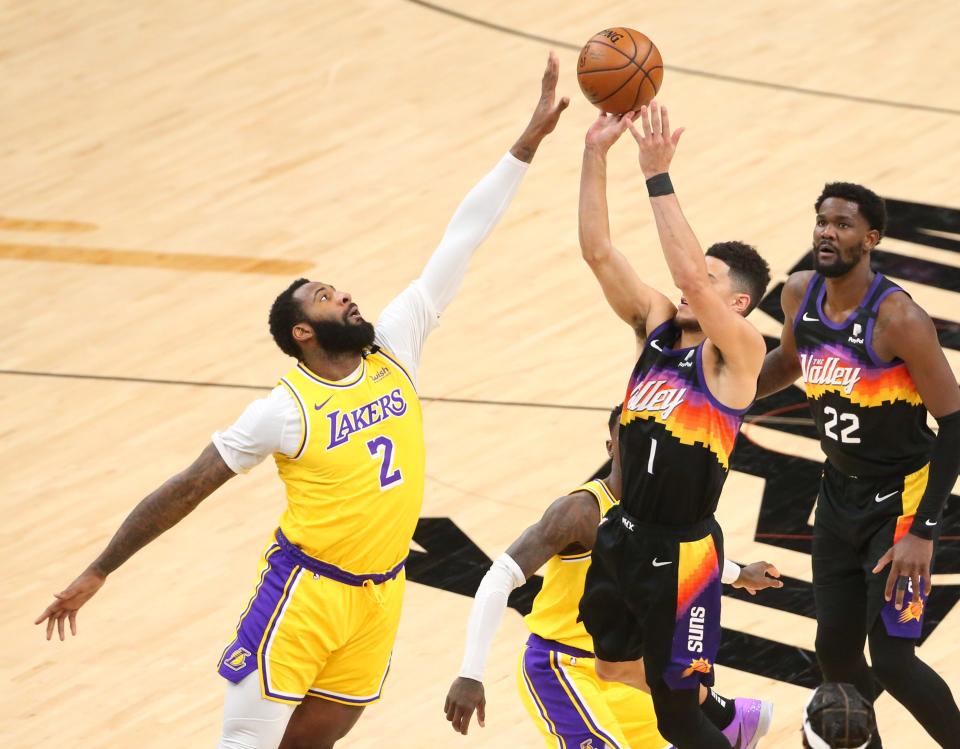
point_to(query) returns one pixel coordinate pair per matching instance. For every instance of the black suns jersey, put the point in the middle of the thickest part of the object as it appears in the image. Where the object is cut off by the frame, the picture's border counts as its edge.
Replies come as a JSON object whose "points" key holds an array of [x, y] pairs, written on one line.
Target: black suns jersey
{"points": [[869, 415], [675, 436]]}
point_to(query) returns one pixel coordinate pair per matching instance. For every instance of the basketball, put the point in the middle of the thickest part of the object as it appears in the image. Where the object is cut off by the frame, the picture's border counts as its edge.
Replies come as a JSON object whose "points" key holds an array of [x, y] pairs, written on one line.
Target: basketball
{"points": [[619, 70]]}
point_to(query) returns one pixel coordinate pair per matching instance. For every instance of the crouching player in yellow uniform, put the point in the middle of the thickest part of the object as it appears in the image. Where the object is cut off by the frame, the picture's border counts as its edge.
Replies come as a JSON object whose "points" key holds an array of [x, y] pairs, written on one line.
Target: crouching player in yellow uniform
{"points": [[313, 645], [556, 677]]}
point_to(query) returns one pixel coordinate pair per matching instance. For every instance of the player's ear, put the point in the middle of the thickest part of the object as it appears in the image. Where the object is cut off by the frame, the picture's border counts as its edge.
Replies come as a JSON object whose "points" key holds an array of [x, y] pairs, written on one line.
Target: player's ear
{"points": [[871, 240], [609, 448], [302, 332], [741, 303]]}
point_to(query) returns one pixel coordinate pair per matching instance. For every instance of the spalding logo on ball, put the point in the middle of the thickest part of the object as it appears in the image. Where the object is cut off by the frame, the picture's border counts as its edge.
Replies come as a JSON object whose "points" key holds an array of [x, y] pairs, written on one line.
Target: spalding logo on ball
{"points": [[620, 70]]}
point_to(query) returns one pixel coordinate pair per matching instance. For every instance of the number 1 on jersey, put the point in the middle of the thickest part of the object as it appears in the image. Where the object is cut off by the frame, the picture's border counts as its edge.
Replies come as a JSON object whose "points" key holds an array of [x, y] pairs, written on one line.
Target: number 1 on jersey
{"points": [[382, 447], [653, 451]]}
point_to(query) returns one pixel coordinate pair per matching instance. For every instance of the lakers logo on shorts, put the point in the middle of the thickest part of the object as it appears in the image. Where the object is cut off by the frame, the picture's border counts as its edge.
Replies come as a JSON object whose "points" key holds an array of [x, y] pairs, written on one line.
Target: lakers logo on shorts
{"points": [[237, 659]]}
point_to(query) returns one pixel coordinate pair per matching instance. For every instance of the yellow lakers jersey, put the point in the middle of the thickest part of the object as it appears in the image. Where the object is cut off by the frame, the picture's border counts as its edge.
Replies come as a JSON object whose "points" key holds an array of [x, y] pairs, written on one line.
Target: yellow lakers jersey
{"points": [[355, 485], [555, 609]]}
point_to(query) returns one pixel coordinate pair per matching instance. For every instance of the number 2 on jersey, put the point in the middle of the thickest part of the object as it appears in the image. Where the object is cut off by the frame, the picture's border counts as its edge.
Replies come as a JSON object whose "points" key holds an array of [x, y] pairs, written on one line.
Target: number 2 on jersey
{"points": [[382, 447], [847, 433]]}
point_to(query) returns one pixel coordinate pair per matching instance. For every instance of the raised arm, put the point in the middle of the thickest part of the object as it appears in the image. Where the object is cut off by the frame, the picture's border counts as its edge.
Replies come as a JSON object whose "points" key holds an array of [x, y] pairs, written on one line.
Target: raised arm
{"points": [[569, 524], [738, 341], [157, 512], [781, 366], [638, 305], [405, 323]]}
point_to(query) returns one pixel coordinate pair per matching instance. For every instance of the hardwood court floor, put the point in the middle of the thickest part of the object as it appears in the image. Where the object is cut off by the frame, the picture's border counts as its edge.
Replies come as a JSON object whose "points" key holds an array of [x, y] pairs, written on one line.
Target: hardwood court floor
{"points": [[168, 167]]}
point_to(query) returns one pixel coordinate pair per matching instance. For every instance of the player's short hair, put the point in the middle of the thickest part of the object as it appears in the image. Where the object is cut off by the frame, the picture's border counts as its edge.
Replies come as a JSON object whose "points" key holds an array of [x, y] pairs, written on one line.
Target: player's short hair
{"points": [[749, 271], [837, 716], [614, 416], [870, 205], [285, 312]]}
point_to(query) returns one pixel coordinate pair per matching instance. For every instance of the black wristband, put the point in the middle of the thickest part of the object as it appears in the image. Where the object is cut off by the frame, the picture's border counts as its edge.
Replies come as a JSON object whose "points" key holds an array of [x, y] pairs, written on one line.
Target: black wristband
{"points": [[659, 184], [944, 464]]}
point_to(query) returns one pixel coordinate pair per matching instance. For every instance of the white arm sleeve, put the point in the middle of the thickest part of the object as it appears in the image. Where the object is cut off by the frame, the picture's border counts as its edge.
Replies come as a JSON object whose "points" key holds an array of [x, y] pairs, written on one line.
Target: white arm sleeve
{"points": [[407, 320], [488, 606], [731, 571], [267, 426]]}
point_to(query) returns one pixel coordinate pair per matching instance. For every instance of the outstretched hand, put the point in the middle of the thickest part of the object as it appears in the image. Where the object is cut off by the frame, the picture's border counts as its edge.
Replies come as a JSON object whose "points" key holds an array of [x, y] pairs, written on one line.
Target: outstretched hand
{"points": [[545, 115], [607, 129], [67, 603], [657, 143], [758, 576]]}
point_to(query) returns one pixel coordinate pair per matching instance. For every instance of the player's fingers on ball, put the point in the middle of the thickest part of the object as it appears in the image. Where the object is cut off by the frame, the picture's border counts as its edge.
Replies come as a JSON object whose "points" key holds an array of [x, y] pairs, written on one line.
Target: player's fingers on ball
{"points": [[73, 623], [60, 631], [50, 624], [645, 121]]}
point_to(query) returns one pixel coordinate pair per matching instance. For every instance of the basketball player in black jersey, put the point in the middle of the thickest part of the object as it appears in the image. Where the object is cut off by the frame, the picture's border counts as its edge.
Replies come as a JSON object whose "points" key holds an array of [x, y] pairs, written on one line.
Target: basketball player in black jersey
{"points": [[652, 597], [872, 367]]}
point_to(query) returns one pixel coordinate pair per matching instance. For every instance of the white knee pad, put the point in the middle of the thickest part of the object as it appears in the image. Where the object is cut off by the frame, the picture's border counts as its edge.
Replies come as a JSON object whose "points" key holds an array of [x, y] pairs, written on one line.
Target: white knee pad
{"points": [[250, 721]]}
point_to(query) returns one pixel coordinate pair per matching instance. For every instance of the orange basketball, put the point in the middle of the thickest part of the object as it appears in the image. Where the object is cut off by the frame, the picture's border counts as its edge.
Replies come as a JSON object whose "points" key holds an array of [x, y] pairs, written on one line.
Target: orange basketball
{"points": [[620, 70]]}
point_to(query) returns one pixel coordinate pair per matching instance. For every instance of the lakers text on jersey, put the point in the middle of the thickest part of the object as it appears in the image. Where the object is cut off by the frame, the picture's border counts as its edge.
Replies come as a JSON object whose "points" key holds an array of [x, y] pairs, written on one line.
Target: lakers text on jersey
{"points": [[326, 606]]}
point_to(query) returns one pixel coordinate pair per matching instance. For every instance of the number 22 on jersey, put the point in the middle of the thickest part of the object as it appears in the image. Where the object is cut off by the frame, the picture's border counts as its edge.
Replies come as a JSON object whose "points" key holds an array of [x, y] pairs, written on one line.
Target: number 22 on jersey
{"points": [[847, 432]]}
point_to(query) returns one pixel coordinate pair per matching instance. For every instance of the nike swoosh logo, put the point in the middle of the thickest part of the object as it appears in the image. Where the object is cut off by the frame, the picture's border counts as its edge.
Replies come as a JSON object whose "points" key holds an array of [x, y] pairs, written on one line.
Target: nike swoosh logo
{"points": [[660, 564], [927, 522], [322, 404], [654, 344], [810, 319], [878, 498]]}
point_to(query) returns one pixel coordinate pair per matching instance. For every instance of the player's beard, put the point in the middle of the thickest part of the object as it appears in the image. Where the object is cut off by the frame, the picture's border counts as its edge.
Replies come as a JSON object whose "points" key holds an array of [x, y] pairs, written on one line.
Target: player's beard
{"points": [[336, 337], [844, 262]]}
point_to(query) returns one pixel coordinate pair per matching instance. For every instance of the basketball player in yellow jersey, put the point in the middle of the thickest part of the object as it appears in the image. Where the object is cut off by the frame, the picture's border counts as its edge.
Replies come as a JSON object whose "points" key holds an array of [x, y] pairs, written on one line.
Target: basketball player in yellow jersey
{"points": [[557, 677], [313, 644]]}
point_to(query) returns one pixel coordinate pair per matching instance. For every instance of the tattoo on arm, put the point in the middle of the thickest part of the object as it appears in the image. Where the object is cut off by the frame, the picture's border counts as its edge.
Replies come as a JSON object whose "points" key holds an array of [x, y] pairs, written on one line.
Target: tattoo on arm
{"points": [[523, 151], [163, 508], [568, 525]]}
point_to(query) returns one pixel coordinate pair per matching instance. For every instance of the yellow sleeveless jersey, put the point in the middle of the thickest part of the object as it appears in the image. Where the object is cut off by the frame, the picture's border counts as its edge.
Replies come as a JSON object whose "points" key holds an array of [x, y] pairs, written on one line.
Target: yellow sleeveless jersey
{"points": [[355, 485], [555, 609]]}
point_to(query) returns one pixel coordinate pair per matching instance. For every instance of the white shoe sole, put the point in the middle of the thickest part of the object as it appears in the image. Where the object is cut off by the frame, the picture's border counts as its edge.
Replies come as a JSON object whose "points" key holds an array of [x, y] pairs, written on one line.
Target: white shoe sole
{"points": [[766, 718]]}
